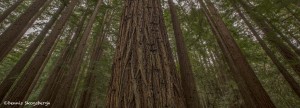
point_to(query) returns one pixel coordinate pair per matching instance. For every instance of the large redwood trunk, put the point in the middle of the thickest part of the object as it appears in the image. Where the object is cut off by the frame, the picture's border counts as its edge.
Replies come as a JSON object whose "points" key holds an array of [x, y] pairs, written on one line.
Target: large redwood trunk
{"points": [[143, 73], [17, 69], [186, 72], [22, 85], [9, 10], [12, 34], [251, 89]]}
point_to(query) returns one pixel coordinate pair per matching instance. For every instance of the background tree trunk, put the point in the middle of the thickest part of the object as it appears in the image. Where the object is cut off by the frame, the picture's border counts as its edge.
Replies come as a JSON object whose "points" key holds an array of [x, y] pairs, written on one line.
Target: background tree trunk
{"points": [[256, 95], [22, 85], [9, 10], [292, 82], [10, 35], [17, 69], [187, 77]]}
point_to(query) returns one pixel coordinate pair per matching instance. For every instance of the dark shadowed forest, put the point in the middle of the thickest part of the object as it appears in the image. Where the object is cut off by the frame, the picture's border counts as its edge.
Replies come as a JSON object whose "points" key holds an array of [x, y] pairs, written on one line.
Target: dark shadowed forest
{"points": [[150, 53]]}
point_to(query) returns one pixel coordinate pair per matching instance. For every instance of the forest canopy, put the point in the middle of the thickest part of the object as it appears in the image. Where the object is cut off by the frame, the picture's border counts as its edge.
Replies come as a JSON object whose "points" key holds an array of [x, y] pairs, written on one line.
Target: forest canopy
{"points": [[150, 53]]}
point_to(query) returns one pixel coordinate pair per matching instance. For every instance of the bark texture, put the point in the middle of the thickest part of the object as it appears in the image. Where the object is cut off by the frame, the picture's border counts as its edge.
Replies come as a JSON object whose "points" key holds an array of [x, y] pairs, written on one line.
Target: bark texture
{"points": [[143, 72]]}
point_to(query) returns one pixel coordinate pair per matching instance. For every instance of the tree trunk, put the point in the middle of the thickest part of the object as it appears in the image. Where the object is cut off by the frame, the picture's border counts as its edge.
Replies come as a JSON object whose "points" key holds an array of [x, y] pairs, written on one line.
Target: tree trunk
{"points": [[143, 73], [186, 72], [294, 85], [20, 89], [291, 12], [66, 90], [286, 39], [35, 81], [9, 10], [9, 46], [251, 89], [51, 86], [17, 69], [271, 36], [11, 35], [97, 50]]}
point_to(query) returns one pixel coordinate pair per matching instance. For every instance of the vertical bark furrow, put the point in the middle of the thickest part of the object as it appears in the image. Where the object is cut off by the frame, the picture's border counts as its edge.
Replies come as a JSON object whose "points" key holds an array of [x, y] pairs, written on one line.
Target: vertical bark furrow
{"points": [[143, 75]]}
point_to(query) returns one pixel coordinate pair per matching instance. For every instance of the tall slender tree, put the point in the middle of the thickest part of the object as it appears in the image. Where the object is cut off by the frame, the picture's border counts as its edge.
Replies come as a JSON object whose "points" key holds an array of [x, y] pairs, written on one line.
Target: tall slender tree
{"points": [[17, 69], [96, 54], [252, 91], [273, 38], [288, 77], [186, 72], [10, 36], [9, 10], [67, 90], [22, 85], [49, 90]]}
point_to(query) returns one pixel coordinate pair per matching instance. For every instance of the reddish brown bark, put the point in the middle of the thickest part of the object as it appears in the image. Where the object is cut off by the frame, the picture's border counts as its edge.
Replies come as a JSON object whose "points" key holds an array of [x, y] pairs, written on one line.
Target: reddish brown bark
{"points": [[143, 75], [186, 72]]}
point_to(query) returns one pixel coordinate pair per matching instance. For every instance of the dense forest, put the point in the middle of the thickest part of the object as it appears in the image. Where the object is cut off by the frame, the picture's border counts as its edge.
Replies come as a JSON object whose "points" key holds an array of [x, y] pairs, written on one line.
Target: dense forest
{"points": [[150, 53]]}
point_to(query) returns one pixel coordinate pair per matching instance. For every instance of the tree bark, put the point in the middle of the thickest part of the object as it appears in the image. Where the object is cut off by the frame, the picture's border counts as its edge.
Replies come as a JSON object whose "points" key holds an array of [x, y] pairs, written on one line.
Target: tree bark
{"points": [[143, 75], [22, 85], [11, 35], [291, 81], [7, 83], [9, 10], [251, 89], [186, 72]]}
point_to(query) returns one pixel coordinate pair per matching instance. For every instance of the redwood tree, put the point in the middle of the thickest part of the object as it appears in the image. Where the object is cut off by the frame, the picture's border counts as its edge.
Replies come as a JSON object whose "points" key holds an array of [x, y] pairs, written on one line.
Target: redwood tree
{"points": [[9, 10], [143, 73], [251, 89], [289, 78], [10, 36], [17, 69], [187, 77]]}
